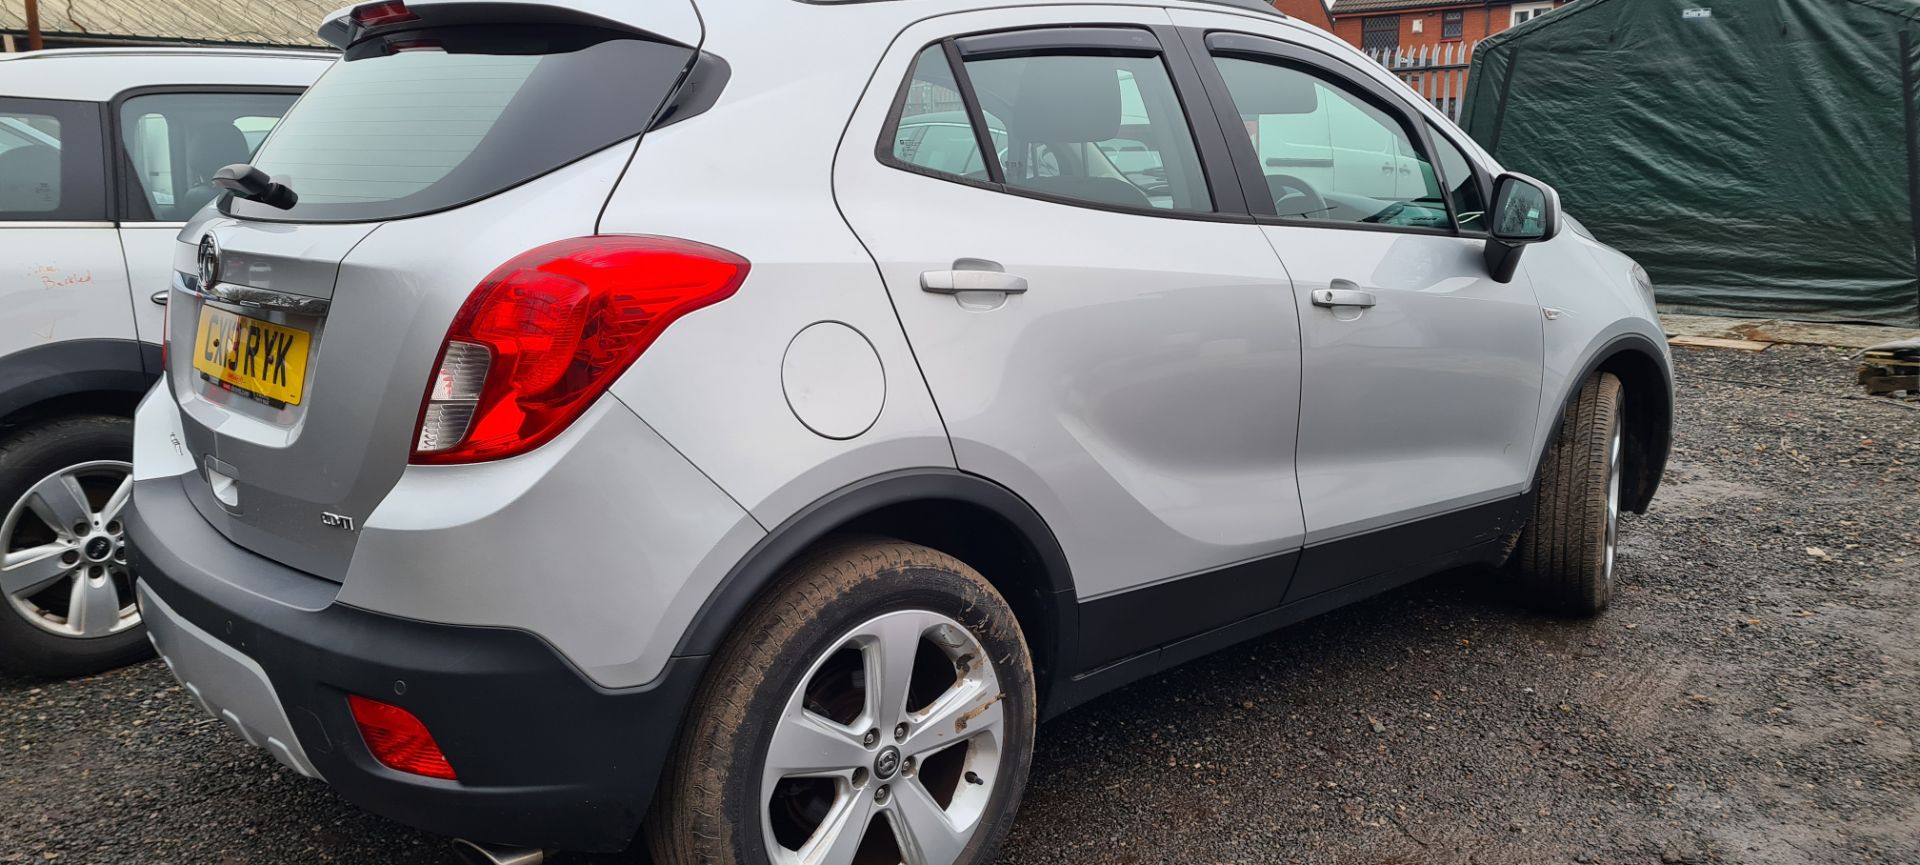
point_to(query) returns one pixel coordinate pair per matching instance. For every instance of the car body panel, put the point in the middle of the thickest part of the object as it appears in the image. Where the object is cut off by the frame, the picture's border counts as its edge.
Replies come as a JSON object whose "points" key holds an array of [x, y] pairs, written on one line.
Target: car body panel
{"points": [[1140, 394], [712, 385], [393, 288]]}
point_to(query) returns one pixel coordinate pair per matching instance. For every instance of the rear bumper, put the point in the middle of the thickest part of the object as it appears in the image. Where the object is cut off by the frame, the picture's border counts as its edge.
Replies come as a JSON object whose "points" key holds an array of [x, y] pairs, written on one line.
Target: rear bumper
{"points": [[545, 758]]}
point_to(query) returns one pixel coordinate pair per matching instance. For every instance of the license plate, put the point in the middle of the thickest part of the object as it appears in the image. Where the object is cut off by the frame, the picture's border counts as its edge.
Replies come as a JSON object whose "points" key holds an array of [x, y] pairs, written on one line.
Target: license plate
{"points": [[261, 359]]}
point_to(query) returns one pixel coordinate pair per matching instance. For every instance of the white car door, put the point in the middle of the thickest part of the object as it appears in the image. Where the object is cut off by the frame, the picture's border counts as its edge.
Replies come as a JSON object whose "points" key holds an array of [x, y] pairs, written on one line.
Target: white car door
{"points": [[62, 278], [1421, 374], [1127, 363]]}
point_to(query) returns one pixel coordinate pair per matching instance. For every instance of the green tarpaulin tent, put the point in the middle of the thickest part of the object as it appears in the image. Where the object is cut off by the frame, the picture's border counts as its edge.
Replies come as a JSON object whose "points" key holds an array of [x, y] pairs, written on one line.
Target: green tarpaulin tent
{"points": [[1757, 156]]}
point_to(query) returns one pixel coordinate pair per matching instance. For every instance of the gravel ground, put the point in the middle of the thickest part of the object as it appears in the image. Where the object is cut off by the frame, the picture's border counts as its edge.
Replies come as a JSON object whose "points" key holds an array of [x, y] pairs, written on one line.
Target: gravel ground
{"points": [[1749, 698]]}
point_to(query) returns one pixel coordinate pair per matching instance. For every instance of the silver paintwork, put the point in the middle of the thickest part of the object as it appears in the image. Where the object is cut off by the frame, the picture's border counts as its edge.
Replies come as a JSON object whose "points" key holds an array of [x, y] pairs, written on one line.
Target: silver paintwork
{"points": [[224, 681], [1141, 394], [648, 538], [872, 764], [88, 552], [392, 289]]}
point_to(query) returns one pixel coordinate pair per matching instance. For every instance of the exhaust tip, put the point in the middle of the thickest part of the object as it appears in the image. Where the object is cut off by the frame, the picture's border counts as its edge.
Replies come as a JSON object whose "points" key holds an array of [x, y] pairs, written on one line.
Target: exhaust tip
{"points": [[477, 853]]}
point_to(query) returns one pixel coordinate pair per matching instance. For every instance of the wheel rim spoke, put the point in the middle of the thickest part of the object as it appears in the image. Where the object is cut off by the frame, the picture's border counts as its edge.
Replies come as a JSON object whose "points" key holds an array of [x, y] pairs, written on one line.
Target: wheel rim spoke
{"points": [[921, 826], [972, 708], [28, 572], [95, 607], [118, 501], [806, 745], [891, 643], [61, 503], [839, 836]]}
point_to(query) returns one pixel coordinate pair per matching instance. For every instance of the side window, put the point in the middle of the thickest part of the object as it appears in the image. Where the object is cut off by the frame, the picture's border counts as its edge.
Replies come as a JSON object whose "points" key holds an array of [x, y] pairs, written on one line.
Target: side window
{"points": [[50, 163], [1068, 116], [174, 142], [1329, 155], [1469, 203], [933, 131]]}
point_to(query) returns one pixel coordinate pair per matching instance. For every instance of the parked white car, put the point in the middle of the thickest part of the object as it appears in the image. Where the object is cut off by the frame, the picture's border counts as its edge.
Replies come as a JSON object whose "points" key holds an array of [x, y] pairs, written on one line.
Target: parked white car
{"points": [[104, 155]]}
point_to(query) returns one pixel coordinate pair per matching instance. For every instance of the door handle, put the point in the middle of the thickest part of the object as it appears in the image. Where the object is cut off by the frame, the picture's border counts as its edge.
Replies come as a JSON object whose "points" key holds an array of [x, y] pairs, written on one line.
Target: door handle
{"points": [[159, 297], [972, 274], [1343, 293]]}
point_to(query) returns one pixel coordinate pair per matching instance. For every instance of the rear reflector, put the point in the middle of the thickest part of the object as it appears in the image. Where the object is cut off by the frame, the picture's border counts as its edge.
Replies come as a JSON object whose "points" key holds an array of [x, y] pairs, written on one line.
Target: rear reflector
{"points": [[547, 333], [398, 739]]}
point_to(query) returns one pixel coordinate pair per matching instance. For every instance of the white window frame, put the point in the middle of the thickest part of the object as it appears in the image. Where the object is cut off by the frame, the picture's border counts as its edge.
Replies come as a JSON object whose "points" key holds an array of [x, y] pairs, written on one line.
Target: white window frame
{"points": [[1524, 12]]}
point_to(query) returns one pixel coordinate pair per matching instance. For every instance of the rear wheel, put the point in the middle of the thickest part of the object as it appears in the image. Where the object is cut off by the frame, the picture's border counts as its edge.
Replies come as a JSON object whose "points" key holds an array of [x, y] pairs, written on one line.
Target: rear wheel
{"points": [[64, 579], [878, 708], [1566, 554]]}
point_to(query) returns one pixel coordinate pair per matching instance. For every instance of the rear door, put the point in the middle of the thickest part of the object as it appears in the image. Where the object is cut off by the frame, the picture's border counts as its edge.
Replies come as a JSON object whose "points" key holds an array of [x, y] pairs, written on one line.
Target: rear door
{"points": [[169, 144], [61, 276], [430, 154], [1122, 351], [1422, 375]]}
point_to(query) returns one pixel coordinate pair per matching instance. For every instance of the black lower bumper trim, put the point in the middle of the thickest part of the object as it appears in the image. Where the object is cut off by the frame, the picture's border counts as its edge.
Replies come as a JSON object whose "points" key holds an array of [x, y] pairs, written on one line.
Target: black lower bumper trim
{"points": [[545, 758]]}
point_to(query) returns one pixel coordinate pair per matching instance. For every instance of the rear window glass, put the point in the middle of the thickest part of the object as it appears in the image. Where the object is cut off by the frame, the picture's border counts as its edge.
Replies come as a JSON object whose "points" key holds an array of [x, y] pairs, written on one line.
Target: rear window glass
{"points": [[428, 119]]}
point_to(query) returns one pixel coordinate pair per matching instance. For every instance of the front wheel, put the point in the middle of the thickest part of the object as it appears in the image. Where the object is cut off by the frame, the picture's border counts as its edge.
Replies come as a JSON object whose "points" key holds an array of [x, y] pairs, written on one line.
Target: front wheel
{"points": [[1566, 554], [65, 586], [878, 707]]}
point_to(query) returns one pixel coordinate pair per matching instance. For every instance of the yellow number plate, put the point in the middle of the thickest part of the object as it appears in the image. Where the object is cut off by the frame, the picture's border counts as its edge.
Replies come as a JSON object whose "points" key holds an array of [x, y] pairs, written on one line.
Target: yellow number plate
{"points": [[262, 359]]}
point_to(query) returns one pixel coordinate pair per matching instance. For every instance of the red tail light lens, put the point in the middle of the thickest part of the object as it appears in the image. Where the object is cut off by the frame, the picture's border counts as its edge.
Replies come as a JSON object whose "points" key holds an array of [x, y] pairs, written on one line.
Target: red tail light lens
{"points": [[398, 739], [548, 332], [381, 14]]}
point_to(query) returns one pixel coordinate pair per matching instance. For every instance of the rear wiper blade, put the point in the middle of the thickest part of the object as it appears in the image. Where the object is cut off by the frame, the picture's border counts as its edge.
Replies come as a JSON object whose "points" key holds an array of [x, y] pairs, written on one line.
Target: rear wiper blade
{"points": [[252, 184]]}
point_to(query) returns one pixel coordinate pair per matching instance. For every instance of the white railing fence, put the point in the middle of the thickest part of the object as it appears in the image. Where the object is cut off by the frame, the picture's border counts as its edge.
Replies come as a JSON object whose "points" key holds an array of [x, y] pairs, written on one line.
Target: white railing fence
{"points": [[1437, 72]]}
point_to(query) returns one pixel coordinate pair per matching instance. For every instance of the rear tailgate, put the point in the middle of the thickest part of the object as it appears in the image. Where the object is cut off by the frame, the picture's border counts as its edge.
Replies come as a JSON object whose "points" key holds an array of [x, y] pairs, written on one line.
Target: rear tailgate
{"points": [[429, 155]]}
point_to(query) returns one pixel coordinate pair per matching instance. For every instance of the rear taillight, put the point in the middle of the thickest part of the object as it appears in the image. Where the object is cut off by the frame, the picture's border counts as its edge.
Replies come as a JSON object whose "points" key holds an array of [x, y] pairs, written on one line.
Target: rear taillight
{"points": [[548, 332], [397, 739]]}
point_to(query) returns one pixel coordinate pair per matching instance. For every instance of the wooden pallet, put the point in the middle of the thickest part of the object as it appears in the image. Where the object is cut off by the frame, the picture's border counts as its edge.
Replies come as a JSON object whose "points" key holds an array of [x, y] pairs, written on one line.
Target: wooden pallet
{"points": [[1891, 373]]}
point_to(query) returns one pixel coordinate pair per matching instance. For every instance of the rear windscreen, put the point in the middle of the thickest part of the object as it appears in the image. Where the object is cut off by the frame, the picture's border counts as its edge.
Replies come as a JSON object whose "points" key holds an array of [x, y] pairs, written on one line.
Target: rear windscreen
{"points": [[429, 119]]}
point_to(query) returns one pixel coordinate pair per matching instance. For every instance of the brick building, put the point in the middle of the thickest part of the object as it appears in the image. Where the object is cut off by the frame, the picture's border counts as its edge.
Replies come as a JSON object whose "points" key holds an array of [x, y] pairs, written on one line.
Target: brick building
{"points": [[78, 23], [1311, 11], [1409, 24]]}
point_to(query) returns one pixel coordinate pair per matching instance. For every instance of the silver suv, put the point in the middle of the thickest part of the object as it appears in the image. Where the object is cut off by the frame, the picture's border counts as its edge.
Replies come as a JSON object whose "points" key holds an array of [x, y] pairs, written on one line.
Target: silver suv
{"points": [[603, 418]]}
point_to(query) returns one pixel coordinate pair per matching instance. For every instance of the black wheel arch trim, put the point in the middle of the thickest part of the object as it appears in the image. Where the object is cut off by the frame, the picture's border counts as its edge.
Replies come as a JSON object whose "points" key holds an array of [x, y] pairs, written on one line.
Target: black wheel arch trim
{"points": [[843, 508], [74, 367], [1649, 410]]}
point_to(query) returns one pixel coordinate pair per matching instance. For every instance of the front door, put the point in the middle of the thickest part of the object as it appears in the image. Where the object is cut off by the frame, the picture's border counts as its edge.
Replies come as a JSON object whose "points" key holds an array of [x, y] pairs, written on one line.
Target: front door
{"points": [[1116, 347], [1421, 377]]}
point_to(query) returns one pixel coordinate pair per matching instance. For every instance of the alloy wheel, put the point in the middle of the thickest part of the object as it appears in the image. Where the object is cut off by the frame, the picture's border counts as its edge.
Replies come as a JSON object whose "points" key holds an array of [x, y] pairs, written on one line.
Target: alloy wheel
{"points": [[63, 552], [888, 750]]}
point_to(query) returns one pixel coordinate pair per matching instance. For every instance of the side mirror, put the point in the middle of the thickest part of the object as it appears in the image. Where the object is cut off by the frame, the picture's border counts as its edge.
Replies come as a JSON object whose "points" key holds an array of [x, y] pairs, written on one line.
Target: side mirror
{"points": [[253, 184], [1524, 211]]}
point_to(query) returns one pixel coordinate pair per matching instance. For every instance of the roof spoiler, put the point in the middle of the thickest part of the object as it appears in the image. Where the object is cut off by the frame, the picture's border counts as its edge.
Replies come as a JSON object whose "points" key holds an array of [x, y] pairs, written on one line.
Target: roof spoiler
{"points": [[671, 21]]}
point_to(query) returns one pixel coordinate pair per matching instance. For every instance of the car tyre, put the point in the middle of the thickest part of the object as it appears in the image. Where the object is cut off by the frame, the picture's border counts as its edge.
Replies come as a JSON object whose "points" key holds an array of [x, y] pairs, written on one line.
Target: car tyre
{"points": [[1565, 557], [786, 750], [94, 452]]}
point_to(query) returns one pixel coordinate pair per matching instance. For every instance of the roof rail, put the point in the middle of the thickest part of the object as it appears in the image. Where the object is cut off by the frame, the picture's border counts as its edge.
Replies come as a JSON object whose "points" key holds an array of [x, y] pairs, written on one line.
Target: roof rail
{"points": [[1248, 5], [168, 51]]}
